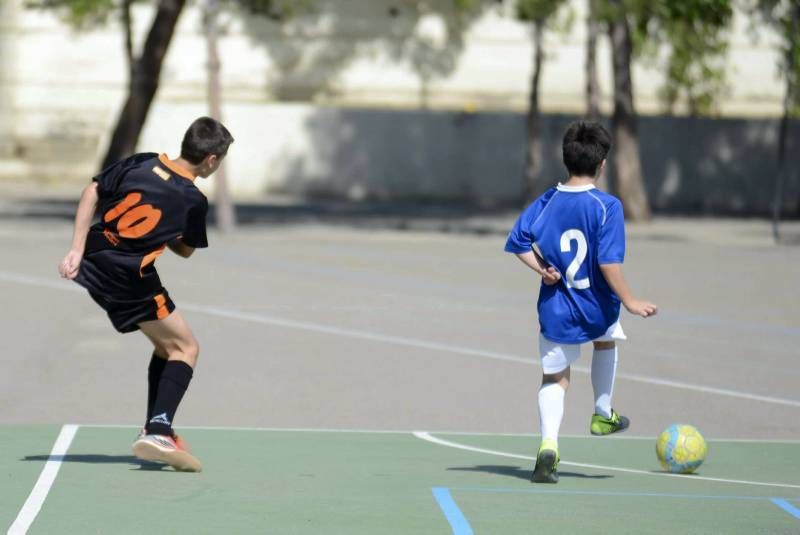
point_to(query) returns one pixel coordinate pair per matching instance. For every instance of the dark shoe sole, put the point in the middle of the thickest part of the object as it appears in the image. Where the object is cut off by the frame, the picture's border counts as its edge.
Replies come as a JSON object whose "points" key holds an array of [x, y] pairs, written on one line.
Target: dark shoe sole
{"points": [[545, 472], [619, 430]]}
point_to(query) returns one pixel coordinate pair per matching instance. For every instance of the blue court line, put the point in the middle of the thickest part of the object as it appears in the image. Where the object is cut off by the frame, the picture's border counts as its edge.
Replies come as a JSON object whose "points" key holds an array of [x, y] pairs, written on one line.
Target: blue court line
{"points": [[786, 506], [780, 502], [457, 520], [609, 493]]}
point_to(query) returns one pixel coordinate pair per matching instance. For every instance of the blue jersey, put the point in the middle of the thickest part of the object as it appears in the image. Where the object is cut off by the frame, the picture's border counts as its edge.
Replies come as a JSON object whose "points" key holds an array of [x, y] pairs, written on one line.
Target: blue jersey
{"points": [[575, 229]]}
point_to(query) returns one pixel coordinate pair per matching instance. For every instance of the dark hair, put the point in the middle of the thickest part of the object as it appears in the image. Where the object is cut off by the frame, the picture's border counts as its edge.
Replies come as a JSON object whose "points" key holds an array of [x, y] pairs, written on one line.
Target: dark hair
{"points": [[586, 145], [203, 137]]}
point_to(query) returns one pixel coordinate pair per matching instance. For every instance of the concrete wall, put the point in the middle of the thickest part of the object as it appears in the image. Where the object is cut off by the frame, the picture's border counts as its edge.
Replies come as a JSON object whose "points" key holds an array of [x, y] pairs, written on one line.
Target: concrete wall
{"points": [[722, 166], [345, 100]]}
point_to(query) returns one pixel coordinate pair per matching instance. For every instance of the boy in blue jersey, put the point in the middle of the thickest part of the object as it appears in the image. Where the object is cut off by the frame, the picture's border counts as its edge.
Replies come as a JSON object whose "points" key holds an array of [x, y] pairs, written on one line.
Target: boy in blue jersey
{"points": [[574, 237]]}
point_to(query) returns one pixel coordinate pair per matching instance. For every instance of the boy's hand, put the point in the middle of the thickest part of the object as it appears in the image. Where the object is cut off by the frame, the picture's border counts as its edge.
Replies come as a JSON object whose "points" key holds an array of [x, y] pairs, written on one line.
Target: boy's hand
{"points": [[551, 276], [68, 268], [641, 308]]}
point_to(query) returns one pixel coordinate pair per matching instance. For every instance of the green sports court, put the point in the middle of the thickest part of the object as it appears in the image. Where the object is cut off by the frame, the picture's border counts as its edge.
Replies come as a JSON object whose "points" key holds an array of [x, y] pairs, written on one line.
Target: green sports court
{"points": [[361, 376]]}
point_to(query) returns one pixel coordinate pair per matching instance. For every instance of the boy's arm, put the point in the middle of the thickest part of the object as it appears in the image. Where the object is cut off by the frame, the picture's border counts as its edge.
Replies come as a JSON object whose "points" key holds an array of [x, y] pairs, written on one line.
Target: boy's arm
{"points": [[68, 268], [549, 274], [613, 275], [179, 248]]}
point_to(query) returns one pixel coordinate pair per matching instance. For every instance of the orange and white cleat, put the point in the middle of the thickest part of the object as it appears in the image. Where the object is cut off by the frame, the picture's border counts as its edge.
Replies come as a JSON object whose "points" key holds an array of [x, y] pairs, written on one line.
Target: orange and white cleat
{"points": [[178, 440], [173, 451]]}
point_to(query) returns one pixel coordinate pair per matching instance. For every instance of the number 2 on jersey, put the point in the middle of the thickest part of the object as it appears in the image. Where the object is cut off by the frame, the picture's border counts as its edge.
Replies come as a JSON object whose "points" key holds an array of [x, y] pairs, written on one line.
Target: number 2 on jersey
{"points": [[134, 221], [567, 238]]}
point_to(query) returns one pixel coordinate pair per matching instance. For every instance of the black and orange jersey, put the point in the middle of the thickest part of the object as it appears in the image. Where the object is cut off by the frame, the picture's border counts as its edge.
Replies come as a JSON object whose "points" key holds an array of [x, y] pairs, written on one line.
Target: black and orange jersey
{"points": [[145, 202]]}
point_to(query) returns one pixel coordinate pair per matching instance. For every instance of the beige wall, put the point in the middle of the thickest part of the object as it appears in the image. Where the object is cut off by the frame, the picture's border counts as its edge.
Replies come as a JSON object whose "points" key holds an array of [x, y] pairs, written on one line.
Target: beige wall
{"points": [[64, 88]]}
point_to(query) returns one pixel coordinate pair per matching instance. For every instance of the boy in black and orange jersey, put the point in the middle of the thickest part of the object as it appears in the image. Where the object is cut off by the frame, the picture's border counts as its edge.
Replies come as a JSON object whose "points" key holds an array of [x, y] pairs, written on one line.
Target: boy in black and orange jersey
{"points": [[147, 203]]}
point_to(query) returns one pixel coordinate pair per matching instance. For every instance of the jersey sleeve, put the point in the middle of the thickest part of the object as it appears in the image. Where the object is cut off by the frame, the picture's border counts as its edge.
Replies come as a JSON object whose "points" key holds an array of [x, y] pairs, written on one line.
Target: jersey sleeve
{"points": [[611, 243], [109, 179], [194, 235], [520, 239]]}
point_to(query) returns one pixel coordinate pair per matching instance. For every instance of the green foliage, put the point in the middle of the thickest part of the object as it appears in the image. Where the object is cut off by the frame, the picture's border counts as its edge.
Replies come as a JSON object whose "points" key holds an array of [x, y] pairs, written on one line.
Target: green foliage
{"points": [[784, 17], [81, 14], [537, 10], [695, 32], [274, 9]]}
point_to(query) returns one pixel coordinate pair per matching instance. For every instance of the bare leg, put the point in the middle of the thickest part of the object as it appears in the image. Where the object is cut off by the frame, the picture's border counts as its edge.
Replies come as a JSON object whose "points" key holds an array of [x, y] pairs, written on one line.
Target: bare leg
{"points": [[173, 337]]}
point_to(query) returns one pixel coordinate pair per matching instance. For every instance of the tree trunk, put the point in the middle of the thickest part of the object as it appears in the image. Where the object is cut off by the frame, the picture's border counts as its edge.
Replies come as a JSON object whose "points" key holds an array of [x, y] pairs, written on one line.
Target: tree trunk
{"points": [[630, 186], [127, 23], [532, 187], [225, 215], [144, 83], [789, 99], [7, 55], [592, 88]]}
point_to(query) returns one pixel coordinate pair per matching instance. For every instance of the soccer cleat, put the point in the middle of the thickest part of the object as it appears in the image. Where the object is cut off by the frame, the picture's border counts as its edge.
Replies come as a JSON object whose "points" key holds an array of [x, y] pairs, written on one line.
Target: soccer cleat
{"points": [[605, 426], [178, 440], [546, 463], [168, 450]]}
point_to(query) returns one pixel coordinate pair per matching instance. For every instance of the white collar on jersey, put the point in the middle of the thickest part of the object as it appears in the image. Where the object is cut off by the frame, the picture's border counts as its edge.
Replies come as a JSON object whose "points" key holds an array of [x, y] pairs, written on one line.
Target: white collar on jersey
{"points": [[562, 187]]}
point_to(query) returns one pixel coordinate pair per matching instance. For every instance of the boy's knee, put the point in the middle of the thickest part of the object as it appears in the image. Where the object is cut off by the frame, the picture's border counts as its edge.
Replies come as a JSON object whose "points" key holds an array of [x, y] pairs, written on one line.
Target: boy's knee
{"points": [[561, 378], [192, 350], [604, 345]]}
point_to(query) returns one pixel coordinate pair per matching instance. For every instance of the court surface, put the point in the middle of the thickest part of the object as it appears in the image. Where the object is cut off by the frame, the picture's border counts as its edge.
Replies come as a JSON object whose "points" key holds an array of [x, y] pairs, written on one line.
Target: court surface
{"points": [[355, 378]]}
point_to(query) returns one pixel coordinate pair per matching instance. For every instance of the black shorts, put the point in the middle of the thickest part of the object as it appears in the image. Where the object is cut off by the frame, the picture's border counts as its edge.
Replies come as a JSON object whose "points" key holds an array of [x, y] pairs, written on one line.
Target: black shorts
{"points": [[119, 287], [126, 315]]}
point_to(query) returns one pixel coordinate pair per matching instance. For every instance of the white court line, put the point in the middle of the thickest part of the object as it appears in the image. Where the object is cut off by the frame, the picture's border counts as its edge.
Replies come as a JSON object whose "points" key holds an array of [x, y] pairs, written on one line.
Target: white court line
{"points": [[264, 319], [625, 436], [35, 500], [424, 435]]}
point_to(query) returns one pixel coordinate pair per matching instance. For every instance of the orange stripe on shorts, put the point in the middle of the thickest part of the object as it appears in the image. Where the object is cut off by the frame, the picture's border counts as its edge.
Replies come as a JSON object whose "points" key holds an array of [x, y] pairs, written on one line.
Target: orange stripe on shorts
{"points": [[161, 306]]}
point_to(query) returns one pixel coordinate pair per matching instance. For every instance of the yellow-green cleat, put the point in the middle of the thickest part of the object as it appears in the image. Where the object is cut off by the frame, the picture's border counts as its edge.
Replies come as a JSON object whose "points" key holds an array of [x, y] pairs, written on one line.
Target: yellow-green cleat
{"points": [[605, 426], [546, 463]]}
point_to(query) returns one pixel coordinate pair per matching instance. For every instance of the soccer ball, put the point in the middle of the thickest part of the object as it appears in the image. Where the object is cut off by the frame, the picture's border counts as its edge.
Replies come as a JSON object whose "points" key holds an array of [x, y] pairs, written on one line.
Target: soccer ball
{"points": [[681, 449]]}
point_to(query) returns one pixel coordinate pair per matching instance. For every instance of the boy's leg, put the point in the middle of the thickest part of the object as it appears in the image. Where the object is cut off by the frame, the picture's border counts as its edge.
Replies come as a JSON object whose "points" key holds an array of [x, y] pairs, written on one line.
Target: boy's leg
{"points": [[551, 403], [158, 361], [556, 360], [173, 336], [551, 413], [604, 370]]}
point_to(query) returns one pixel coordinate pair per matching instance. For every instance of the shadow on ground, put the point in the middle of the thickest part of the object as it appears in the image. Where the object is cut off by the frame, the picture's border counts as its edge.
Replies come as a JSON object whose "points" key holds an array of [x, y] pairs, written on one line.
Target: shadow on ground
{"points": [[421, 216], [404, 215], [519, 472], [97, 458]]}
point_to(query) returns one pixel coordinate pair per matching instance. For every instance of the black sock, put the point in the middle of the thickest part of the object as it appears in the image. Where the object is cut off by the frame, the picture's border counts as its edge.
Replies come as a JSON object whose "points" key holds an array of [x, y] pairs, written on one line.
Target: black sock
{"points": [[174, 382], [154, 372]]}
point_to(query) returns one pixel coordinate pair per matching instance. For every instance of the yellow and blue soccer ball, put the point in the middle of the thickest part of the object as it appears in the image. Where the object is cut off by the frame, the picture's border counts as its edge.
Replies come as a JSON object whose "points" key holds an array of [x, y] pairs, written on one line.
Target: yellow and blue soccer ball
{"points": [[681, 449]]}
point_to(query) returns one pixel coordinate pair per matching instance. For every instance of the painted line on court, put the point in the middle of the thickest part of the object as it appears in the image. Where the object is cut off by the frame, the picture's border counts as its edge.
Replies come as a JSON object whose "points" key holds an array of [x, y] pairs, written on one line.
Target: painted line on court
{"points": [[423, 435], [36, 499], [786, 506], [264, 319], [610, 493], [411, 431], [458, 522], [460, 350]]}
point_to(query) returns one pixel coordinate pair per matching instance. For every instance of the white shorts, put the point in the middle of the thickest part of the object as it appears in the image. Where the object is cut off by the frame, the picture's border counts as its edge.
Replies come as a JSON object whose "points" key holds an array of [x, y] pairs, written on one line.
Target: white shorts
{"points": [[556, 357]]}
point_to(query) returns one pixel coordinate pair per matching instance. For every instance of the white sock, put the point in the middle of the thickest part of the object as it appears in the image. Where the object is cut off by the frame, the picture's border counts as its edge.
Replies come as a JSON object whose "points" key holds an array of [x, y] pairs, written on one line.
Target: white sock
{"points": [[551, 409], [604, 370]]}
